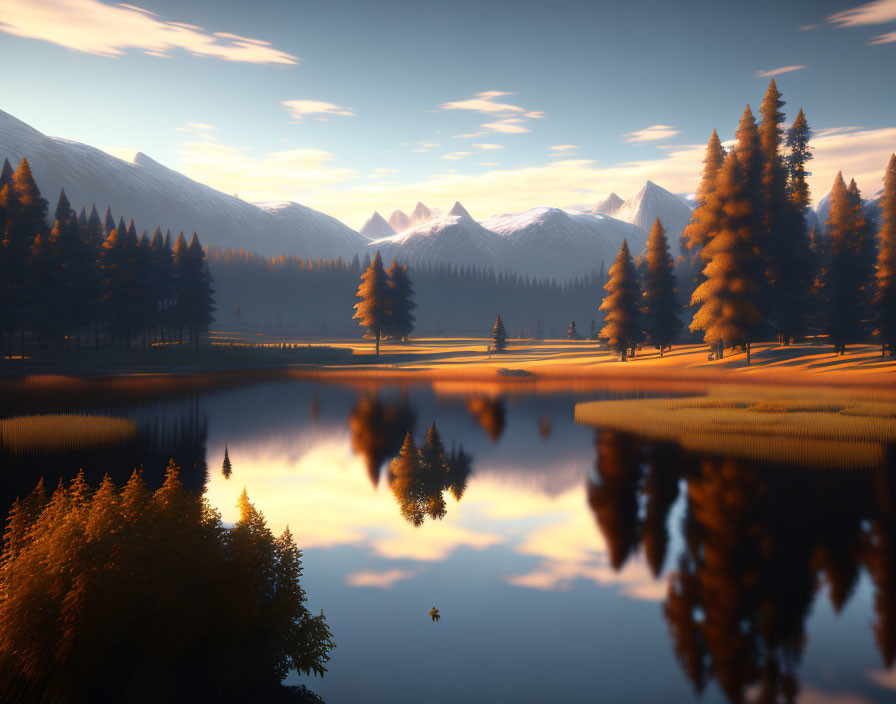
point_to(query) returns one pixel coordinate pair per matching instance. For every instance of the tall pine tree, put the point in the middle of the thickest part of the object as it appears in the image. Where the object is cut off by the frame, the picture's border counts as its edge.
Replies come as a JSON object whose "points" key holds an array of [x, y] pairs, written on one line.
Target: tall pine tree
{"points": [[499, 336], [886, 262], [661, 306], [622, 314], [401, 304], [372, 311]]}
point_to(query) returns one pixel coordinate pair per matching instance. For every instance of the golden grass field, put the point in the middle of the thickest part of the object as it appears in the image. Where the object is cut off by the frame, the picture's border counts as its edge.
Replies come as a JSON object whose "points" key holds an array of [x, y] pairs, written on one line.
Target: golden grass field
{"points": [[827, 427], [60, 432]]}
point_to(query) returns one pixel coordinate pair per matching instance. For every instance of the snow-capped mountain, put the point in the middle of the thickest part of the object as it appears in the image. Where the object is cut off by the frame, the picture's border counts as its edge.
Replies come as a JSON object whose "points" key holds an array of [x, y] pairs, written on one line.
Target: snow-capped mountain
{"points": [[376, 227], [653, 202], [153, 194], [399, 221], [608, 205], [420, 215], [455, 238], [552, 242]]}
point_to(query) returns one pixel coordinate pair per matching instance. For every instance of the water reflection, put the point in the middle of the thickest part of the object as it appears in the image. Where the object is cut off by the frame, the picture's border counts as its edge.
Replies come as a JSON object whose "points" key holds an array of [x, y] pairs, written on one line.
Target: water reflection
{"points": [[378, 430]]}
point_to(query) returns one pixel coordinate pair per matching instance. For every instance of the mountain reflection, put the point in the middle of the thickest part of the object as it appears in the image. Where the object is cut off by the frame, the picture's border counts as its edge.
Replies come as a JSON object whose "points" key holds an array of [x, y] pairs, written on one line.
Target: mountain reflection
{"points": [[759, 543]]}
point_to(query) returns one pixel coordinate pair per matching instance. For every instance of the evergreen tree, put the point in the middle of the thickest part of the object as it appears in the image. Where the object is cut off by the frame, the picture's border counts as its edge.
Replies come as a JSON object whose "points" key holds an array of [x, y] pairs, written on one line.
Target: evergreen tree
{"points": [[499, 336], [798, 154], [201, 295], [841, 292], [372, 312], [400, 303], [572, 333], [43, 315], [407, 487], [119, 289], [5, 173], [698, 231], [434, 473], [661, 308], [867, 255], [226, 467], [622, 315], [729, 299], [886, 263]]}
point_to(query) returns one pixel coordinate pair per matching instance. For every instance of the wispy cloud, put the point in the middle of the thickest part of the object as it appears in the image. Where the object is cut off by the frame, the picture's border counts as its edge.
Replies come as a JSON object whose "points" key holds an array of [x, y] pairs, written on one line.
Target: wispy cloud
{"points": [[200, 129], [111, 30], [299, 109], [484, 102], [456, 155], [778, 71], [877, 12], [469, 135], [563, 147], [379, 580], [488, 146], [807, 28], [509, 125], [652, 134]]}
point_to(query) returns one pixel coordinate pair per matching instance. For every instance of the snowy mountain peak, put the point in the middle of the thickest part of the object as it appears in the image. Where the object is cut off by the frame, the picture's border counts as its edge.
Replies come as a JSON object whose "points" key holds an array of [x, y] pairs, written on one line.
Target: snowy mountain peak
{"points": [[376, 227], [459, 211], [399, 221], [652, 202], [421, 214], [141, 159], [608, 205]]}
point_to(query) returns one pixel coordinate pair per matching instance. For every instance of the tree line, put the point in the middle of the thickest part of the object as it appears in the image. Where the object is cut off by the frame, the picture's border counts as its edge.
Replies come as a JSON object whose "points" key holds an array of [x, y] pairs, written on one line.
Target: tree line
{"points": [[750, 267], [79, 280]]}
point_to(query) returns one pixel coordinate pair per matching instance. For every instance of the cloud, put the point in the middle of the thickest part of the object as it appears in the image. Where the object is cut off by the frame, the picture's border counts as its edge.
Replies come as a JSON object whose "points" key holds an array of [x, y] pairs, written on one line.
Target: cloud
{"points": [[487, 163], [652, 134], [200, 129], [488, 146], [877, 12], [124, 153], [284, 175], [536, 114], [807, 28], [484, 103], [111, 30], [861, 154], [564, 147], [778, 71], [299, 109], [509, 125], [456, 155], [470, 135], [379, 580]]}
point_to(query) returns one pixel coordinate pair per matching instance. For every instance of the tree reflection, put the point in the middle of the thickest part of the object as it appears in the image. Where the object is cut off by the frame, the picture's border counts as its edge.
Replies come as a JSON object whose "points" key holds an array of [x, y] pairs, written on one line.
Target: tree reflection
{"points": [[755, 539], [421, 476], [489, 413], [378, 430]]}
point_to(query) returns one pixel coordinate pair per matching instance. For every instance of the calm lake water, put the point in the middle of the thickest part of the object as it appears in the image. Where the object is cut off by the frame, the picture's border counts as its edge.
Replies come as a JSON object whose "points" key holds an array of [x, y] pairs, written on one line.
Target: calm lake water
{"points": [[578, 565]]}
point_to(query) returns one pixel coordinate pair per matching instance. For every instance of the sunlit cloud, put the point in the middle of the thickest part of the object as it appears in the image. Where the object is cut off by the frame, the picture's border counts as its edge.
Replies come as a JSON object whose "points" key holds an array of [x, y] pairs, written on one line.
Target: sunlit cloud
{"points": [[861, 154], [378, 580], [469, 135], [111, 30], [652, 134], [807, 28], [487, 163], [878, 12], [778, 71], [123, 153], [457, 155], [563, 147], [509, 125], [488, 146], [200, 129], [299, 109], [887, 38], [536, 114], [484, 102], [283, 175]]}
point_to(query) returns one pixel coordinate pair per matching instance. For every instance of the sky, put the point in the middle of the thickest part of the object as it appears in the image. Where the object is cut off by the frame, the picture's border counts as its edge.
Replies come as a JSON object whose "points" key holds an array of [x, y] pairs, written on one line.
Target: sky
{"points": [[351, 106]]}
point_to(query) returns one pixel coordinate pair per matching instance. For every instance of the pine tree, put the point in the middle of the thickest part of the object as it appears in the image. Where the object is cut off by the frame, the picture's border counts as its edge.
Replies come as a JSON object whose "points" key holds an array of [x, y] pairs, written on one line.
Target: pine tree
{"points": [[698, 233], [841, 287], [406, 485], [799, 152], [572, 333], [886, 263], [400, 303], [661, 308], [226, 467], [728, 300], [434, 473], [119, 290], [867, 254], [499, 336], [622, 315], [6, 173], [372, 312]]}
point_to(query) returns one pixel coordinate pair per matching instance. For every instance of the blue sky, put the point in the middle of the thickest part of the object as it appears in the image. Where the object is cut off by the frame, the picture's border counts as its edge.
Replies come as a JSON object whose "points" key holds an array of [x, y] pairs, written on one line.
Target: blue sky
{"points": [[351, 105]]}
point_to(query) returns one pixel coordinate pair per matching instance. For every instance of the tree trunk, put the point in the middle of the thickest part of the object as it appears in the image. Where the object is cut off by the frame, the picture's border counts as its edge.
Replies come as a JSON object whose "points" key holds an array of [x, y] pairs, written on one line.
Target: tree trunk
{"points": [[661, 350], [721, 350], [377, 343], [748, 354]]}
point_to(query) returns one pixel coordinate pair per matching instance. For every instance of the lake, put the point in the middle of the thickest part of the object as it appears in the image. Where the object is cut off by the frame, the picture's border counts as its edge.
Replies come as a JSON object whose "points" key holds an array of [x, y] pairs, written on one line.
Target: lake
{"points": [[576, 564]]}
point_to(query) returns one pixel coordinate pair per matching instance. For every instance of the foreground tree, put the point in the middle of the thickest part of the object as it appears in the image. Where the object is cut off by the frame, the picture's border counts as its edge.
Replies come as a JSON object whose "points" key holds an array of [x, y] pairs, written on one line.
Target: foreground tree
{"points": [[886, 263], [622, 316], [728, 300], [661, 306], [499, 336], [109, 594], [400, 304], [372, 312]]}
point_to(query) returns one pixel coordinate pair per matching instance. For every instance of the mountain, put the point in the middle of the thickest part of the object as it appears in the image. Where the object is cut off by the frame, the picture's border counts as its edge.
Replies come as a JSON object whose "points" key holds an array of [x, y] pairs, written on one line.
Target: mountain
{"points": [[153, 195], [551, 242], [399, 221], [376, 227], [607, 206], [420, 215], [653, 202], [819, 216], [455, 238]]}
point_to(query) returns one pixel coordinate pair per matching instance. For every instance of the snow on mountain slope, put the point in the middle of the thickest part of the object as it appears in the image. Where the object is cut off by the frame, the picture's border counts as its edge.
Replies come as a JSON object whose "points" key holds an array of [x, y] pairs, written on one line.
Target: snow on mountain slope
{"points": [[653, 202], [420, 215], [552, 242], [455, 238], [376, 227], [607, 206], [153, 195]]}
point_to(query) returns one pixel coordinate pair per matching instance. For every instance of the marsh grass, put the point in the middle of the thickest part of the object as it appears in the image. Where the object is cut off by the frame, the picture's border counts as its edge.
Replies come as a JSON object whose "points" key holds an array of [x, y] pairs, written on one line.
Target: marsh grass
{"points": [[834, 428], [26, 435]]}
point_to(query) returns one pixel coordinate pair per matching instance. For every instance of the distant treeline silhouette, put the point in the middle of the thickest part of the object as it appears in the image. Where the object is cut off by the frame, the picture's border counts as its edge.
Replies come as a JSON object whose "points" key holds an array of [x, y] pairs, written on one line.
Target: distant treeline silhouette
{"points": [[87, 282], [318, 296]]}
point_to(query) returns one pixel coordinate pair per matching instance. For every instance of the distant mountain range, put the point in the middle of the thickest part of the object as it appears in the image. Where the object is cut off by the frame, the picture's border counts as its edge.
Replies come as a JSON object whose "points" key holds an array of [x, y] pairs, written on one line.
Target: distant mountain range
{"points": [[153, 195]]}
